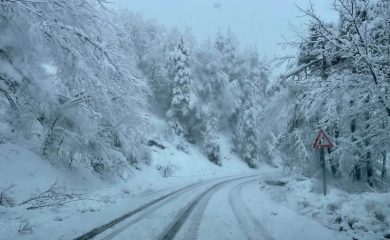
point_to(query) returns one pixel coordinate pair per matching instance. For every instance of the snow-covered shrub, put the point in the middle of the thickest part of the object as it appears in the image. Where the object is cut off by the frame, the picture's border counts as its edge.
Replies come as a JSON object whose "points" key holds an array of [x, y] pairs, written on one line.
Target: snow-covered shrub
{"points": [[183, 147], [166, 171], [25, 227]]}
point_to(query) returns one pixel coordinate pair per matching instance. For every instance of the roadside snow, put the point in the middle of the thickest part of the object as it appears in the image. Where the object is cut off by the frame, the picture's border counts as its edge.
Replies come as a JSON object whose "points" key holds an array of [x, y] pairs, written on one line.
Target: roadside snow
{"points": [[363, 216]]}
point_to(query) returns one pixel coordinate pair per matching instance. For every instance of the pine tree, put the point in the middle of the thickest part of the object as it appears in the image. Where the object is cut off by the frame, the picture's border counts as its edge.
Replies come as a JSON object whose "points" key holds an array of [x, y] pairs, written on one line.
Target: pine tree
{"points": [[245, 131], [210, 144], [227, 47], [180, 105], [245, 134]]}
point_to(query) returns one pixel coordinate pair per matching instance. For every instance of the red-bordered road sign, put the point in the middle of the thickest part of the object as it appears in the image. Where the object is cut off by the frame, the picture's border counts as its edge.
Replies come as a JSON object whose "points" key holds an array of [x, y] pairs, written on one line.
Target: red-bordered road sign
{"points": [[322, 140]]}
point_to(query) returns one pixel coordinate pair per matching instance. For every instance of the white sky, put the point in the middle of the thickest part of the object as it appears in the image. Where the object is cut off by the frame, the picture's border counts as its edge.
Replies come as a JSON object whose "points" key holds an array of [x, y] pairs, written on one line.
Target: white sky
{"points": [[260, 23]]}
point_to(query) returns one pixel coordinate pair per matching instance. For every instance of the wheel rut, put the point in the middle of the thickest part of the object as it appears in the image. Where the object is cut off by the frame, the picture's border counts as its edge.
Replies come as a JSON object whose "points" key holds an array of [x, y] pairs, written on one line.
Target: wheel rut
{"points": [[146, 209], [172, 230], [250, 225]]}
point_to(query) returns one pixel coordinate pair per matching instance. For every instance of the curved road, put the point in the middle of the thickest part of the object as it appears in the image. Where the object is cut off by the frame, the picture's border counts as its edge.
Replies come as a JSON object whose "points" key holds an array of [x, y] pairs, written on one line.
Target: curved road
{"points": [[224, 208]]}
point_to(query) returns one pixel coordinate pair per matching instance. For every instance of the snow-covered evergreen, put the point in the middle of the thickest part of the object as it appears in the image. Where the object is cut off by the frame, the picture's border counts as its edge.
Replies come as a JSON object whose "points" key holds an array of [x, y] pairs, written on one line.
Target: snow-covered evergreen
{"points": [[211, 144], [181, 94]]}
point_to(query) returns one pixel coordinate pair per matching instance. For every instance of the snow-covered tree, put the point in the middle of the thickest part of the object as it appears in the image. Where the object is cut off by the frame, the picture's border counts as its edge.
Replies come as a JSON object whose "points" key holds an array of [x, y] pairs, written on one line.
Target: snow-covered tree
{"points": [[245, 137], [181, 89], [210, 143], [74, 86], [340, 83]]}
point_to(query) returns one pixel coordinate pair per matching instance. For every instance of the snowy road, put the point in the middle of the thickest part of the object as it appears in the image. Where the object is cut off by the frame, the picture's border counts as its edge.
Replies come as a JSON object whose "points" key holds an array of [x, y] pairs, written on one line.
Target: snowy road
{"points": [[225, 208]]}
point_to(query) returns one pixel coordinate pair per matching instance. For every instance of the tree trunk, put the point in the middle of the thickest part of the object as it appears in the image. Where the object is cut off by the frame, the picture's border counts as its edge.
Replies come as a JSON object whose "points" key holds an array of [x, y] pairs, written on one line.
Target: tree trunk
{"points": [[370, 170], [333, 160], [334, 164], [357, 173], [384, 173], [369, 164]]}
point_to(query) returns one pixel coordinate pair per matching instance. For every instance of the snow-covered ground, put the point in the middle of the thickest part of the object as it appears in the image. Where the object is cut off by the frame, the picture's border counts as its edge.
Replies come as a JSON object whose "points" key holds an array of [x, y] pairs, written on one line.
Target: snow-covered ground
{"points": [[93, 201], [360, 215]]}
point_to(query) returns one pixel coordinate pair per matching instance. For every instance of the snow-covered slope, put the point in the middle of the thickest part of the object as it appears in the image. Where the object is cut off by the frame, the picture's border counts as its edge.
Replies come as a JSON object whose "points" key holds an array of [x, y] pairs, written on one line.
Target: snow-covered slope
{"points": [[182, 159], [40, 198]]}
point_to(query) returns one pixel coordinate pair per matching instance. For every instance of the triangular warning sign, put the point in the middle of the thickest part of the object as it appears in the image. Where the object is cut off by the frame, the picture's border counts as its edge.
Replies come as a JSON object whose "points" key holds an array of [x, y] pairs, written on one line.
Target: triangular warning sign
{"points": [[322, 140]]}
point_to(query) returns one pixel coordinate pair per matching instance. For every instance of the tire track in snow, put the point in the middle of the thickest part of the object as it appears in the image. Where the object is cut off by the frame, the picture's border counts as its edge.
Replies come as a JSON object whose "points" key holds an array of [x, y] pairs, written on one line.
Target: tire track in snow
{"points": [[98, 230], [248, 222], [146, 213], [192, 233], [185, 212], [196, 216]]}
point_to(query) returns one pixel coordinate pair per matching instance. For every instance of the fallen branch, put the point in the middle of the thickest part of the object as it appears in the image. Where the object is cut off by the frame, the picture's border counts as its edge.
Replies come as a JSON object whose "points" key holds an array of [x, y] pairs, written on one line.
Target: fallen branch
{"points": [[54, 195], [9, 98], [63, 203], [52, 204], [6, 200]]}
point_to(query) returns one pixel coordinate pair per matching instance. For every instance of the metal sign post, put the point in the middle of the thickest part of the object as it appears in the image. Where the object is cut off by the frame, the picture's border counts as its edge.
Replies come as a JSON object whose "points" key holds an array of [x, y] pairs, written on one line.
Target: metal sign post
{"points": [[322, 161], [321, 142]]}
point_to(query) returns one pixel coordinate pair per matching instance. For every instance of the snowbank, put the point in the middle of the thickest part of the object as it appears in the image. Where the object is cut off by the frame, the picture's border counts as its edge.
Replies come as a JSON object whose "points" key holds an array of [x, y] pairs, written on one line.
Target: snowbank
{"points": [[363, 215]]}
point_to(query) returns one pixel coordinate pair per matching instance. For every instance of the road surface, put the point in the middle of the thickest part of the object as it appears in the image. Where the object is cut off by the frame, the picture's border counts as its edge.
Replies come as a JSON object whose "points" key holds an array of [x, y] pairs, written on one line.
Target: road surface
{"points": [[224, 208]]}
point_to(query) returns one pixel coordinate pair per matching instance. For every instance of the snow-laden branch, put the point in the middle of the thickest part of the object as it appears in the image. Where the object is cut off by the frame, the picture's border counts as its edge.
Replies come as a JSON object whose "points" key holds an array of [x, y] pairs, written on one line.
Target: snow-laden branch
{"points": [[298, 69]]}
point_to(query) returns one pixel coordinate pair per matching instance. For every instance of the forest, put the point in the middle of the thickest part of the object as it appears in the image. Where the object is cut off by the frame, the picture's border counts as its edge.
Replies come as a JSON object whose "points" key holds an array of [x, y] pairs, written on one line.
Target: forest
{"points": [[140, 130], [81, 84]]}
